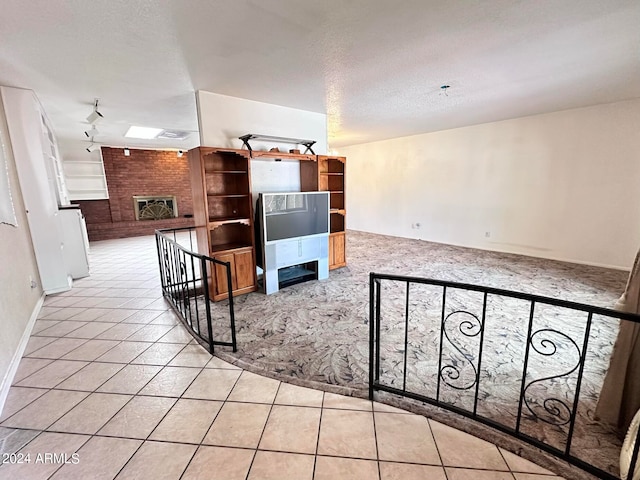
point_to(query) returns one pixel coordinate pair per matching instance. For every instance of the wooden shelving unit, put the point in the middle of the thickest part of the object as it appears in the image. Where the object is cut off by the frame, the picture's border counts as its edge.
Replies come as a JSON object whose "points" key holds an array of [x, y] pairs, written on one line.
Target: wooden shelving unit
{"points": [[283, 156], [327, 174], [221, 187]]}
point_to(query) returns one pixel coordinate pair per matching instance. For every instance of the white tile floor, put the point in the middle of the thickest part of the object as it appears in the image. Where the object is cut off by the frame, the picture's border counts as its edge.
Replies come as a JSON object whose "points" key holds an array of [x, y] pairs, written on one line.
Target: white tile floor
{"points": [[110, 375]]}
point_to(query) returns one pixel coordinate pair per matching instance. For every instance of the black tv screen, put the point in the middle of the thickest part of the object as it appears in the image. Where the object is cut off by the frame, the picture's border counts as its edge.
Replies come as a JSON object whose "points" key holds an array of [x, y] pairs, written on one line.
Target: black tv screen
{"points": [[291, 215]]}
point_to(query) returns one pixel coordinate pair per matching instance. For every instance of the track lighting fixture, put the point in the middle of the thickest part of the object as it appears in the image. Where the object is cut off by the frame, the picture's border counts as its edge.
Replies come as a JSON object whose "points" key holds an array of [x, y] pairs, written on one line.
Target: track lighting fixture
{"points": [[127, 152], [92, 132], [92, 147], [180, 153], [95, 116]]}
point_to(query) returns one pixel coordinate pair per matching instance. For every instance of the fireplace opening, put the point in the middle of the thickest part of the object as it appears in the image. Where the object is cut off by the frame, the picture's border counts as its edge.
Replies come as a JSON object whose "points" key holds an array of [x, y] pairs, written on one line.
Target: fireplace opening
{"points": [[155, 207]]}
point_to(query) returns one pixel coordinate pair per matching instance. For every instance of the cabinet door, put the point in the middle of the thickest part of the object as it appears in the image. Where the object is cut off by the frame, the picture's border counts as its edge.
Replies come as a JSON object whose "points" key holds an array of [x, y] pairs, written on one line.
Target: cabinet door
{"points": [[331, 251], [244, 269], [337, 257], [221, 273]]}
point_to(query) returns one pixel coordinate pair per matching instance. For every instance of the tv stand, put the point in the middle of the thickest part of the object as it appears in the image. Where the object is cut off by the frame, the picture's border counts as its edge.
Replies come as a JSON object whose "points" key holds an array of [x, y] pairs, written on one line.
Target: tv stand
{"points": [[281, 255], [288, 276]]}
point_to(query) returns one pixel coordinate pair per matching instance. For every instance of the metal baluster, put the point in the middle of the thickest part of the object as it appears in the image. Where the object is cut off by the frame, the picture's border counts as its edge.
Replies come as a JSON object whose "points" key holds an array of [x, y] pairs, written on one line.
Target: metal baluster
{"points": [[444, 300], [205, 283], [406, 340], [185, 288], [158, 249], [525, 366], [371, 332], [583, 358], [378, 293], [484, 316], [172, 276], [195, 292], [231, 308]]}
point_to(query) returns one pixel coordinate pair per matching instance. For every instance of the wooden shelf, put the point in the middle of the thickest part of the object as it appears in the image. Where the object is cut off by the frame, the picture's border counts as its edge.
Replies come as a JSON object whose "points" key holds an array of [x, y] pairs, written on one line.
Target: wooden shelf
{"points": [[328, 175], [270, 138], [283, 156], [221, 189], [227, 195], [216, 222], [337, 223], [216, 249]]}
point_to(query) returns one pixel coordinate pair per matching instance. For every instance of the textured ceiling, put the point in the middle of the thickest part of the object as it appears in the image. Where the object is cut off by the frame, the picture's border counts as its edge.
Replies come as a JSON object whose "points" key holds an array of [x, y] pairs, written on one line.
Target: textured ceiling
{"points": [[374, 66]]}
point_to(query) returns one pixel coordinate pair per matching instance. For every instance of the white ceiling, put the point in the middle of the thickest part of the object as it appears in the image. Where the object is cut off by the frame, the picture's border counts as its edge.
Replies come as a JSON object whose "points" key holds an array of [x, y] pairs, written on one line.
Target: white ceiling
{"points": [[374, 66]]}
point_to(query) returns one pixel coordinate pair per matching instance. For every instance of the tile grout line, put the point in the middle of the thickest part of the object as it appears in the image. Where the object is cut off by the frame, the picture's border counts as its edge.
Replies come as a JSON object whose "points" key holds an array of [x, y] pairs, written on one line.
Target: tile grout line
{"points": [[95, 390], [263, 428], [375, 439], [169, 410], [119, 410], [177, 398], [315, 458], [435, 442], [200, 445], [267, 449], [506, 463]]}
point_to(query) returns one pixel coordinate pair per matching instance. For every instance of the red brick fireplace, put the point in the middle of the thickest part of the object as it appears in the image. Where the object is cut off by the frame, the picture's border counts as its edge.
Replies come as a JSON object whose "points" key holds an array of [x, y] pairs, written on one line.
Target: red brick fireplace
{"points": [[146, 173]]}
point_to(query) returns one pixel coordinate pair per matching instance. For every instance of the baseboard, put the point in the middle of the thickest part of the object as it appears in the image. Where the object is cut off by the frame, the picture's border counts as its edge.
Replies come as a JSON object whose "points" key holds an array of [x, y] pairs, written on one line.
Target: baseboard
{"points": [[17, 356]]}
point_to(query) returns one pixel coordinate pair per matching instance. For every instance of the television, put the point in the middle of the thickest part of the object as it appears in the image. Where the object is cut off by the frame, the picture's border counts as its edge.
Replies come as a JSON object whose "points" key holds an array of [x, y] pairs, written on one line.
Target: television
{"points": [[290, 215]]}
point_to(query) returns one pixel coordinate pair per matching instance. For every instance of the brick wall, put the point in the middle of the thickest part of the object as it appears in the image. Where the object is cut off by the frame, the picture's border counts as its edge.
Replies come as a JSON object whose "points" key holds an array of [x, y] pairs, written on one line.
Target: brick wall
{"points": [[144, 172]]}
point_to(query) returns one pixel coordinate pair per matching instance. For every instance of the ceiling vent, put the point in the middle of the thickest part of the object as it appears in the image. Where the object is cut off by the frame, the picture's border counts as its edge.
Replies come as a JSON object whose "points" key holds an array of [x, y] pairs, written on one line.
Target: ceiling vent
{"points": [[174, 134]]}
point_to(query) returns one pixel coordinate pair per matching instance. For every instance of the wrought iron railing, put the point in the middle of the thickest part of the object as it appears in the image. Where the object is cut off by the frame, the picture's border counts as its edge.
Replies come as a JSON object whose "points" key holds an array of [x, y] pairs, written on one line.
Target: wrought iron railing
{"points": [[526, 365], [185, 284]]}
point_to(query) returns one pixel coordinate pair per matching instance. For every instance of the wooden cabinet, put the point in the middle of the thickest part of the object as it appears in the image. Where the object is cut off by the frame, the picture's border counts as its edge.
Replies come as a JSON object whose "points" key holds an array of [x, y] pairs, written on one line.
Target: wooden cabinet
{"points": [[223, 214], [328, 175], [337, 257], [242, 266]]}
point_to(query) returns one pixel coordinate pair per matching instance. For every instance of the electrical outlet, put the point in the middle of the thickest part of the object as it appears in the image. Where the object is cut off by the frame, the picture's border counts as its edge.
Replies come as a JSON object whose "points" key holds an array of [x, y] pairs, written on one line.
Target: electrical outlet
{"points": [[32, 282], [487, 234]]}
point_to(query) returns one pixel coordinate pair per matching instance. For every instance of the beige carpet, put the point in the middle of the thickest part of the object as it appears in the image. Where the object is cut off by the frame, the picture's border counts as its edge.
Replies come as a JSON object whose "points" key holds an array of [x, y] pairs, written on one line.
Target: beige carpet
{"points": [[316, 333]]}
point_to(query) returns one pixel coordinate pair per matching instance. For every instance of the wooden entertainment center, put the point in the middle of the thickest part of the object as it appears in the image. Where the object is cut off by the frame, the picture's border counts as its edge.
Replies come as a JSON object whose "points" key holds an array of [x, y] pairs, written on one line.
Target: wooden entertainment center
{"points": [[223, 209]]}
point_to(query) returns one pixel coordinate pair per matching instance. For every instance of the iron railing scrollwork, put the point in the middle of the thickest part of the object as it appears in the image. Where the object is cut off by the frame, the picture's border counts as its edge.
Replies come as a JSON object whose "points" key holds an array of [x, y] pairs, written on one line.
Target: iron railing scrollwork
{"points": [[450, 373], [544, 370], [184, 276]]}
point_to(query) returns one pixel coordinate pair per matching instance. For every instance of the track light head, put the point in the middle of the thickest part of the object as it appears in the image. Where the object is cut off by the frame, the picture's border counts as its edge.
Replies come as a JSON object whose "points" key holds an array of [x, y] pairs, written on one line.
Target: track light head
{"points": [[127, 152], [93, 132], [180, 153], [93, 147], [95, 116]]}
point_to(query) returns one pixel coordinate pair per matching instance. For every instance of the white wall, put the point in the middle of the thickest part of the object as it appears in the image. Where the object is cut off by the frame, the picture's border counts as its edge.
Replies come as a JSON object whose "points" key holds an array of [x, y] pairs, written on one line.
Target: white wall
{"points": [[18, 301], [222, 119], [564, 185], [32, 148]]}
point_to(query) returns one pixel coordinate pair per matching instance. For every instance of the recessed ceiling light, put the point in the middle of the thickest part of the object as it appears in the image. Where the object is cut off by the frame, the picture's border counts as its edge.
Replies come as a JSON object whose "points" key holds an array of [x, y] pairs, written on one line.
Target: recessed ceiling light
{"points": [[146, 133], [174, 134]]}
